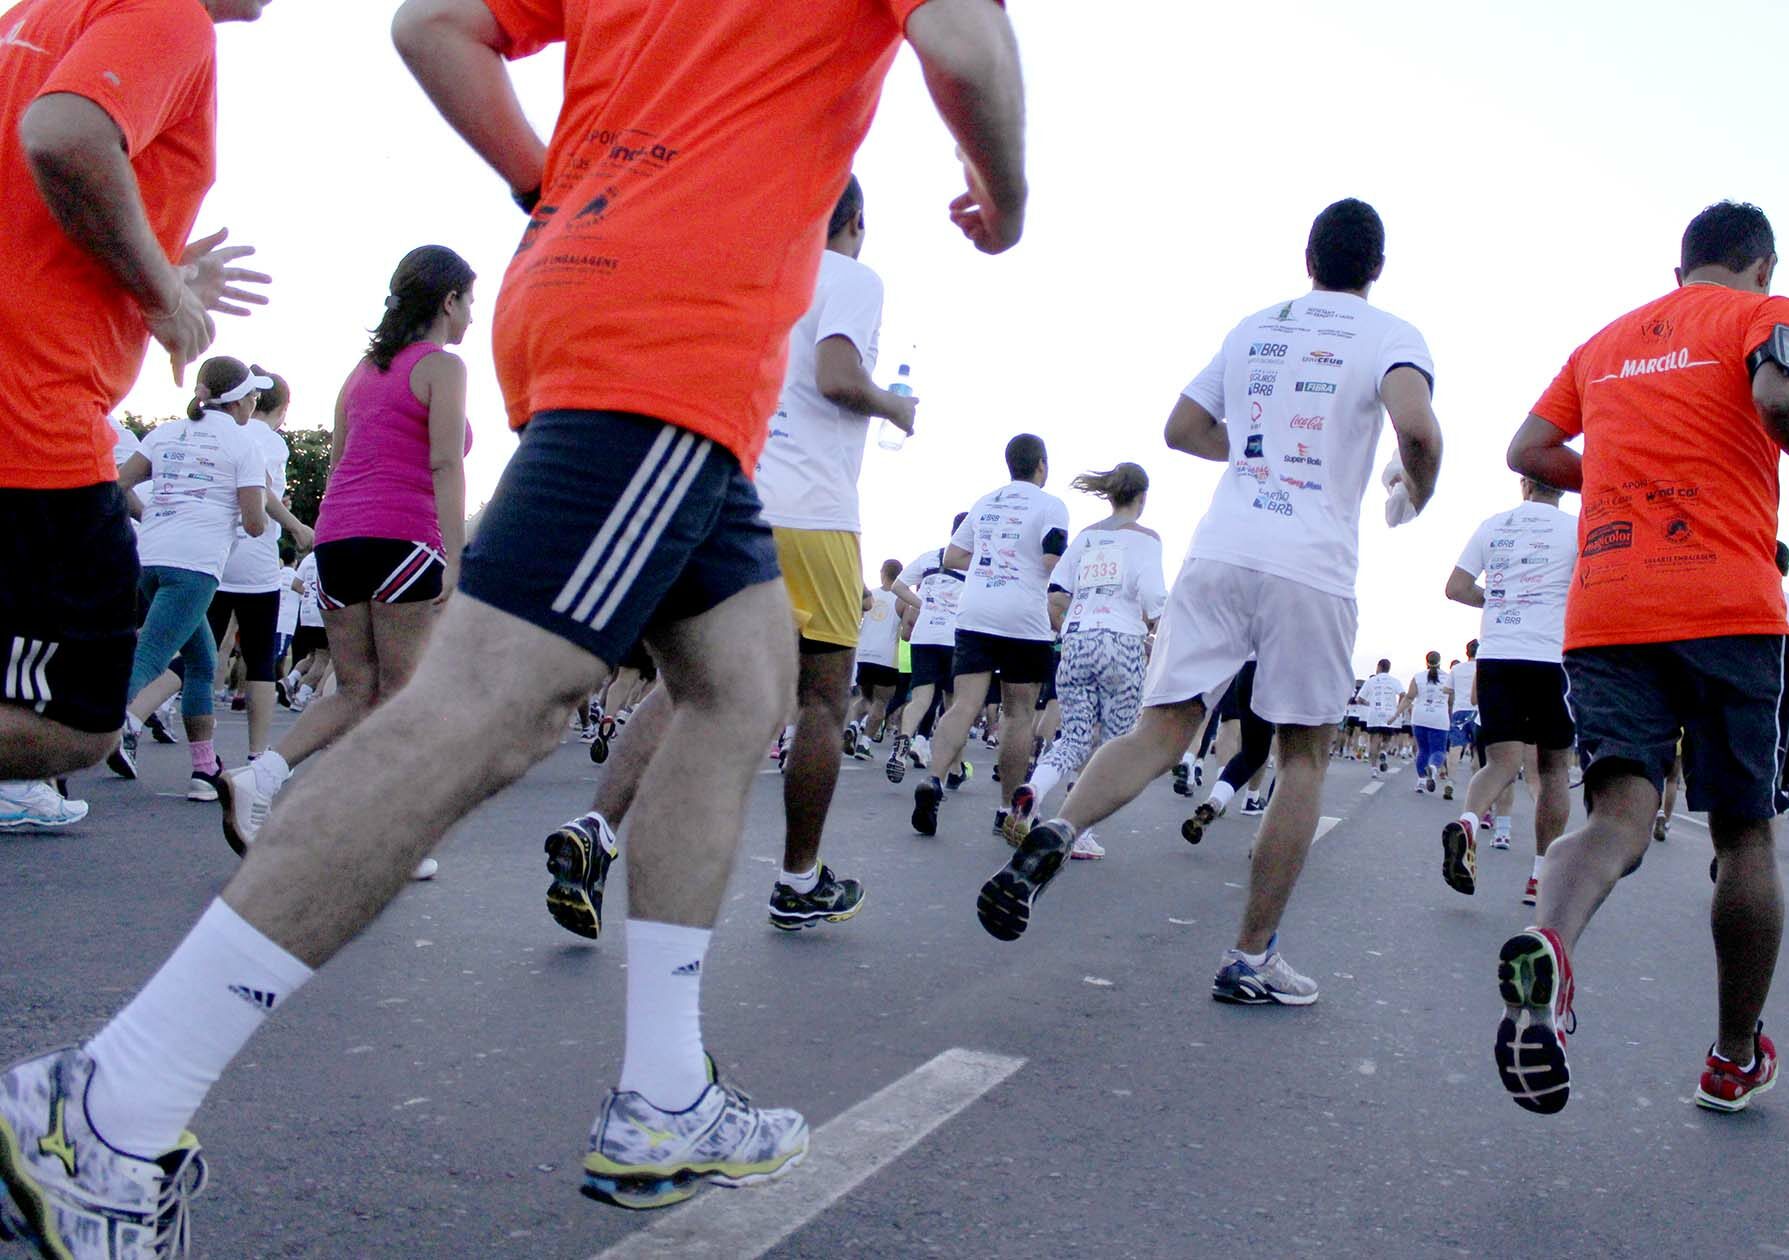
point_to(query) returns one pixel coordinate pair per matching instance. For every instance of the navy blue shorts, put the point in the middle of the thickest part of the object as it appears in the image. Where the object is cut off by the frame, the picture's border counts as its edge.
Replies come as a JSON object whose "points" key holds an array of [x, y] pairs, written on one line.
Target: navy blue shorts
{"points": [[607, 525]]}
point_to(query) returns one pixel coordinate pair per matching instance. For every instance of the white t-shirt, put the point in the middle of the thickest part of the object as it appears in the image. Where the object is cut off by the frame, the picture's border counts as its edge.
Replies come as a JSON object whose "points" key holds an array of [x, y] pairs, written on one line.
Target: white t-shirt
{"points": [[1008, 534], [1430, 706], [289, 601], [254, 563], [881, 631], [1114, 577], [126, 445], [1461, 681], [1298, 384], [310, 612], [199, 465], [939, 590], [807, 475], [1526, 556], [1380, 694], [1356, 710]]}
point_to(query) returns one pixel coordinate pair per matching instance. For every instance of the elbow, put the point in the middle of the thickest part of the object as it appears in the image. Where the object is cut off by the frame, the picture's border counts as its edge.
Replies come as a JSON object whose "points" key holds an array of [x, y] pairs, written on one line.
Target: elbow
{"points": [[254, 528], [1519, 458], [410, 27]]}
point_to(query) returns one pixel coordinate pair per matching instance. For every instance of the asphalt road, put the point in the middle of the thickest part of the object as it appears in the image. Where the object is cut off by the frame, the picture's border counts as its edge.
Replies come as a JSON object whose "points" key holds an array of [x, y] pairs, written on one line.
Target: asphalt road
{"points": [[430, 1092]]}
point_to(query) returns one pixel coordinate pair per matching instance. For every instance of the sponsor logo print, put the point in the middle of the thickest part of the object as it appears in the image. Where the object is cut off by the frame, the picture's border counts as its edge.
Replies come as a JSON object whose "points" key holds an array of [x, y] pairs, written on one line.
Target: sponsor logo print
{"points": [[1314, 387], [1304, 456], [1313, 423], [1299, 483], [1261, 383], [1267, 350], [1679, 531], [1279, 502], [1251, 449], [690, 968], [1324, 358], [1614, 536], [255, 997]]}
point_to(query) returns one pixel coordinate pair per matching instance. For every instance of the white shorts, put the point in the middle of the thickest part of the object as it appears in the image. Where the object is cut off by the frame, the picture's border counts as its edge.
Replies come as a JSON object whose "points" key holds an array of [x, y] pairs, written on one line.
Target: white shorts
{"points": [[1218, 614]]}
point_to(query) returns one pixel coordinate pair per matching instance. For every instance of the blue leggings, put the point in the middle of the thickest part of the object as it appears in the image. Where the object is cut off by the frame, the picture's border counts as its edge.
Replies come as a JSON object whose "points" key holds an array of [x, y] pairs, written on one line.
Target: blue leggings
{"points": [[176, 626], [1431, 747]]}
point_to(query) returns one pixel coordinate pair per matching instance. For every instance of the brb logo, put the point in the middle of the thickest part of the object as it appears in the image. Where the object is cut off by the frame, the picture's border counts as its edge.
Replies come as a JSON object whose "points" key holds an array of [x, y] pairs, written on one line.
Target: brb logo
{"points": [[1279, 502]]}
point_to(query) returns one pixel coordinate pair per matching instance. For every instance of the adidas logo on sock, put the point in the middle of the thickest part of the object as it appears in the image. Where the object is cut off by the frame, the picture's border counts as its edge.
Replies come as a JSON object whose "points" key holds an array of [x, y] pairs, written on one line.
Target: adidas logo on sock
{"points": [[255, 997], [689, 969]]}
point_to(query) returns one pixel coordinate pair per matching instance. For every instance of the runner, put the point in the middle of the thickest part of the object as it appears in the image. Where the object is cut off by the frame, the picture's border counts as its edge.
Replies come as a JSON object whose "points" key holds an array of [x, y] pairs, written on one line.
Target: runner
{"points": [[1305, 385], [1380, 694], [1106, 616], [1007, 546], [934, 638], [1425, 705], [1462, 734], [1683, 407], [391, 524], [1526, 557], [310, 644], [1251, 738], [878, 650]]}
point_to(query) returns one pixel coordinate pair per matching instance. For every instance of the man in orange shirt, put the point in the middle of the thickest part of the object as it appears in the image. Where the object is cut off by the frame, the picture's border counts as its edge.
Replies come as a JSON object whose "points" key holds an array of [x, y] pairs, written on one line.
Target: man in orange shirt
{"points": [[678, 217], [1683, 406], [108, 115]]}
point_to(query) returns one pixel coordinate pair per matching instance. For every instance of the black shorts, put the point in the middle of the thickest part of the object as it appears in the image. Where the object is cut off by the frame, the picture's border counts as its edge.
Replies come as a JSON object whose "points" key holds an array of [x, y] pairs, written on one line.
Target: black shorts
{"points": [[377, 571], [1721, 694], [870, 676], [1011, 660], [931, 665], [68, 604], [308, 639], [1354, 724], [257, 616], [1523, 702], [1386, 731], [640, 661], [606, 525]]}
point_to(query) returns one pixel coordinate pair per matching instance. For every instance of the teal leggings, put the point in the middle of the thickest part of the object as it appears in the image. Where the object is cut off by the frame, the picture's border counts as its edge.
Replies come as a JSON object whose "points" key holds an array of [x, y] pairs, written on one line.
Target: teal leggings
{"points": [[176, 626]]}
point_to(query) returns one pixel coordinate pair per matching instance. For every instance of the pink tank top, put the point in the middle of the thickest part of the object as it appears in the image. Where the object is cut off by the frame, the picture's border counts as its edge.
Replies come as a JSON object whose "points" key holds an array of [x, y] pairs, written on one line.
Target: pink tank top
{"points": [[383, 488]]}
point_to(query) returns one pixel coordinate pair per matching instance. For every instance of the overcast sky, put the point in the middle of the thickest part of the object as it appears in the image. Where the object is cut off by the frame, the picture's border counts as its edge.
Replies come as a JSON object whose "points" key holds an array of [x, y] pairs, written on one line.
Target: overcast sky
{"points": [[1535, 164]]}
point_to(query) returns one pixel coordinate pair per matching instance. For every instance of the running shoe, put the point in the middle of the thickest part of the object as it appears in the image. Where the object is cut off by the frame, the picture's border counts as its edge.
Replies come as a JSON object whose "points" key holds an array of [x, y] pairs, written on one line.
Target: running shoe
{"points": [[1459, 857], [850, 739], [833, 900], [428, 868], [996, 771], [1384, 763], [587, 733], [245, 807], [1254, 806], [1535, 978], [922, 752], [599, 748], [203, 786], [1431, 783], [1198, 774], [1272, 982], [1193, 829], [896, 769], [863, 751], [158, 730], [1486, 821], [1182, 780], [68, 1194], [1087, 849], [122, 760], [280, 693], [1532, 893], [1019, 818], [34, 803], [1447, 791], [641, 1157], [1725, 1087], [1661, 827], [579, 854], [925, 806], [1500, 840], [1004, 906], [1000, 823], [957, 778]]}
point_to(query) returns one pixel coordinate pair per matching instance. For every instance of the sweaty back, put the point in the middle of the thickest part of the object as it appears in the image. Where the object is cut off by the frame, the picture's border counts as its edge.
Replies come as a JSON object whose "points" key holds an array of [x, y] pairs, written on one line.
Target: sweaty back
{"points": [[698, 154]]}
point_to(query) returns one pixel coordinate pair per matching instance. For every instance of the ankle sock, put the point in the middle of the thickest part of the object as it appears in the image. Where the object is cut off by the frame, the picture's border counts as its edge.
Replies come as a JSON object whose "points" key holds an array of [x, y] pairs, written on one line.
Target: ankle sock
{"points": [[271, 772], [801, 881], [1502, 826], [160, 1056], [204, 757], [1538, 863], [1221, 796], [663, 1061]]}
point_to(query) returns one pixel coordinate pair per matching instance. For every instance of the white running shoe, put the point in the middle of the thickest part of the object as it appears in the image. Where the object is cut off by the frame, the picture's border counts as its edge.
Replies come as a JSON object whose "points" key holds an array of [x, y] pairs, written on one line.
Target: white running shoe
{"points": [[425, 869], [922, 752], [1086, 848], [245, 807], [34, 803]]}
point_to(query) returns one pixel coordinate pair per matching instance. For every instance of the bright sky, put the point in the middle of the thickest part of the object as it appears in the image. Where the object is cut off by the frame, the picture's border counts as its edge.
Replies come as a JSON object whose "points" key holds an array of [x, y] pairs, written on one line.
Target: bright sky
{"points": [[1535, 164]]}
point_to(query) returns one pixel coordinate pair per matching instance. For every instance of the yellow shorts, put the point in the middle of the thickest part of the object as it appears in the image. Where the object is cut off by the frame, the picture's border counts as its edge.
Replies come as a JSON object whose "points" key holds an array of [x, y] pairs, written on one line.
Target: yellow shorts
{"points": [[823, 569]]}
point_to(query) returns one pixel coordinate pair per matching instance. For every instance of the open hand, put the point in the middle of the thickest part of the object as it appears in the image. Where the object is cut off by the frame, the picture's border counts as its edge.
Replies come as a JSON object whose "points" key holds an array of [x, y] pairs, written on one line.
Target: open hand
{"points": [[209, 275], [990, 227]]}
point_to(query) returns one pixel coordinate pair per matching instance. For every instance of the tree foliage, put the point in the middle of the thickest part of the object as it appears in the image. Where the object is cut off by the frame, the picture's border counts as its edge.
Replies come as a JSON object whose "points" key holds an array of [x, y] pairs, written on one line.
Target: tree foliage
{"points": [[307, 469]]}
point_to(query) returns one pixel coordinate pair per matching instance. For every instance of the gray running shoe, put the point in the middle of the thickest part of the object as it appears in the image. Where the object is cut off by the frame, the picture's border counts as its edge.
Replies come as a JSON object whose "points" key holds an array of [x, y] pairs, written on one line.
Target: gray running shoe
{"points": [[641, 1157], [1244, 984]]}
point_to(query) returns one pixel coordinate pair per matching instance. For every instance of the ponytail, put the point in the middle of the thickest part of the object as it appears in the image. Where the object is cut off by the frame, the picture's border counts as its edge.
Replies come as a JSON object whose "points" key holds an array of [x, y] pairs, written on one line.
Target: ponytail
{"points": [[427, 277], [1120, 486]]}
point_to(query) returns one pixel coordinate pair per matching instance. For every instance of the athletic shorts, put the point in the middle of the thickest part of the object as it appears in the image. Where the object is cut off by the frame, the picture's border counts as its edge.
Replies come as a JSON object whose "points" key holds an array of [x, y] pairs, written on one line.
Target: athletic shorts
{"points": [[377, 571], [1462, 732], [1218, 614], [606, 525], [931, 665], [1354, 724], [1523, 702], [869, 676], [1722, 694], [308, 639], [257, 616], [1017, 661], [1385, 731], [823, 569], [68, 604]]}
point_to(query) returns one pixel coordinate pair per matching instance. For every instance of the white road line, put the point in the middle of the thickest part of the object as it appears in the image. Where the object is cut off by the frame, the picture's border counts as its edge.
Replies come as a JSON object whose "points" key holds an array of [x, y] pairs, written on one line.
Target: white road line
{"points": [[1325, 825], [1693, 821], [846, 1151], [1372, 789]]}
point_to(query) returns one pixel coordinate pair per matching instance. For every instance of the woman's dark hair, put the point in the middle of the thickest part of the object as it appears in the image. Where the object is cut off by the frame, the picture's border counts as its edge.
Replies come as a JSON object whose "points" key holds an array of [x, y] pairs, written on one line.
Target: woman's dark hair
{"points": [[1120, 486], [272, 399], [427, 277], [217, 375], [1434, 660]]}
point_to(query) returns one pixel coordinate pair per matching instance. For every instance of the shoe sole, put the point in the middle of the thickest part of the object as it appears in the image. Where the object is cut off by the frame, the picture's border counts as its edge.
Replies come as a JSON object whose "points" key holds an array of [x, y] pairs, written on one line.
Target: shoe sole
{"points": [[1004, 904], [568, 900], [1709, 1102], [657, 1190], [1530, 1060], [925, 809], [116, 763], [38, 824], [24, 1212], [599, 750], [896, 771], [785, 922], [1456, 859], [1018, 817], [1447, 793], [1258, 997], [226, 797], [1193, 829]]}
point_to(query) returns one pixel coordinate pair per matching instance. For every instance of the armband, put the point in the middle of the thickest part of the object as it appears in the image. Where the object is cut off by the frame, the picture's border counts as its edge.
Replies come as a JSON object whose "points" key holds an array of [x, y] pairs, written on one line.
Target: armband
{"points": [[526, 201], [1774, 350]]}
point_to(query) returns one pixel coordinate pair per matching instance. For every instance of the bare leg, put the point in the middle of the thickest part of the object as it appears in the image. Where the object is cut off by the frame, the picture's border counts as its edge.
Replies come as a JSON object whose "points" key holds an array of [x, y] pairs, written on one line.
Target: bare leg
{"points": [[645, 732], [1018, 717], [156, 694], [952, 730], [1550, 771], [1584, 867], [1498, 776], [1123, 767], [1286, 833], [915, 712], [261, 700], [33, 747], [811, 773], [1748, 927], [326, 718]]}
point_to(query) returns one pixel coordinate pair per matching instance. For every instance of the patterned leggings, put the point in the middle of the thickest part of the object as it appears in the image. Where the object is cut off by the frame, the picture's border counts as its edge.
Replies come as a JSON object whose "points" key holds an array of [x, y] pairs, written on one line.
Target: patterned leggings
{"points": [[1100, 684]]}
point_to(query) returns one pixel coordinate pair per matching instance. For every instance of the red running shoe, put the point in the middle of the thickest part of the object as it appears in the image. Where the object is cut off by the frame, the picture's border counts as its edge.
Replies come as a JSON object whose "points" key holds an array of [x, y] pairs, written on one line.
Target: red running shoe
{"points": [[1535, 978], [1725, 1088]]}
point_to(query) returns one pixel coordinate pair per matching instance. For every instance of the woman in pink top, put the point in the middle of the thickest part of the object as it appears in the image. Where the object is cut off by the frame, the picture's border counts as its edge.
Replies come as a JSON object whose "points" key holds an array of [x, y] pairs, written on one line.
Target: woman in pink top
{"points": [[392, 522]]}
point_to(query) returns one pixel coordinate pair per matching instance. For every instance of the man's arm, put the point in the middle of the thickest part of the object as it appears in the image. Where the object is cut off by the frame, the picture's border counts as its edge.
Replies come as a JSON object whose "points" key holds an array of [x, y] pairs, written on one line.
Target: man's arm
{"points": [[1539, 451], [971, 63], [1405, 393], [1196, 431], [841, 379], [302, 535], [957, 558], [1770, 394], [454, 49], [1463, 588]]}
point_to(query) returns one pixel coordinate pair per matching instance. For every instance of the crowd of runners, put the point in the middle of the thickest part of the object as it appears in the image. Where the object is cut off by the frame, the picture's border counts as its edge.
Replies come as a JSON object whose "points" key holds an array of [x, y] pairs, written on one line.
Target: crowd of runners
{"points": [[670, 567]]}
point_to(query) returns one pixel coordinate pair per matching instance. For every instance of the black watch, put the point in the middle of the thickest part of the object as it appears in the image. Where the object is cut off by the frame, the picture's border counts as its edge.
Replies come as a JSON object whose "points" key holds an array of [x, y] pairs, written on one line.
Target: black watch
{"points": [[1774, 350]]}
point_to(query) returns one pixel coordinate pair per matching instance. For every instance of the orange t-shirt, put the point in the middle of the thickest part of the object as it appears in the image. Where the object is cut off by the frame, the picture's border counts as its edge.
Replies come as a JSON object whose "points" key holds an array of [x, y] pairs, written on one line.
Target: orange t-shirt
{"points": [[72, 341], [1677, 536], [697, 157]]}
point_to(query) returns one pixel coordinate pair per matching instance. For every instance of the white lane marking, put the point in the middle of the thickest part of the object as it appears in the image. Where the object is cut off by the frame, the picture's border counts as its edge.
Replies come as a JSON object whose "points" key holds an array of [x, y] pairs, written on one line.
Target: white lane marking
{"points": [[1325, 825], [1372, 788], [846, 1151], [1693, 821]]}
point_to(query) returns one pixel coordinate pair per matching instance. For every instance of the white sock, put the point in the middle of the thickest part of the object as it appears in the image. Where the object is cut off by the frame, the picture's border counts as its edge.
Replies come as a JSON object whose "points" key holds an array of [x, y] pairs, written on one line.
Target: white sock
{"points": [[1502, 829], [1221, 795], [1044, 781], [305, 692], [161, 1054], [664, 1062], [800, 881], [133, 724], [271, 772], [1539, 862]]}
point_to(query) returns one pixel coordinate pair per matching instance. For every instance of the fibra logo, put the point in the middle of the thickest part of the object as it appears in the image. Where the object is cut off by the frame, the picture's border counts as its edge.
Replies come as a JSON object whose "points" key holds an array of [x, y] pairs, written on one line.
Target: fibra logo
{"points": [[11, 39], [1314, 387], [1672, 362]]}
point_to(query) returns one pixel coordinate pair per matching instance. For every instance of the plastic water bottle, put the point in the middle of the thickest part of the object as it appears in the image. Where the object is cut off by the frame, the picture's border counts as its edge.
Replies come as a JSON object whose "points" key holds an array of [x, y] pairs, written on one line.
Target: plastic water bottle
{"points": [[891, 436]]}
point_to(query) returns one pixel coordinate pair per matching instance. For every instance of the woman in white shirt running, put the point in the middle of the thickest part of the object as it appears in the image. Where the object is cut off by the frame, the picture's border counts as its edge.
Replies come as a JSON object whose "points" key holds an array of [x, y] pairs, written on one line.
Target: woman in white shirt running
{"points": [[1425, 701], [1105, 595]]}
